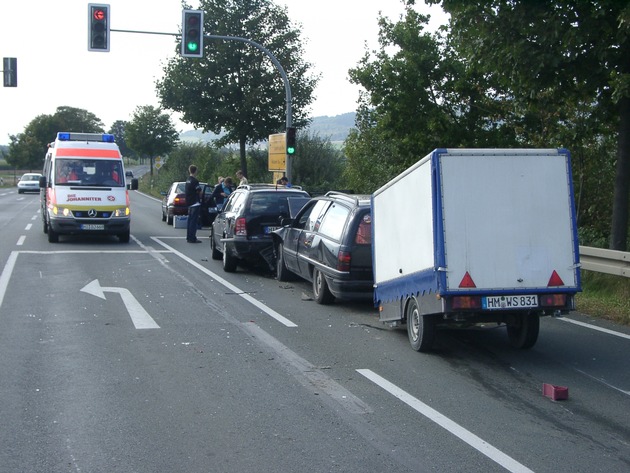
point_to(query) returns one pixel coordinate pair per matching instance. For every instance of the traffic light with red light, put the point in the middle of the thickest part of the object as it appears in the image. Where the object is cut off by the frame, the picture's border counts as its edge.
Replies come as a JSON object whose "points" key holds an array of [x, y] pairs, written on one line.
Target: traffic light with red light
{"points": [[98, 27], [291, 140], [192, 33]]}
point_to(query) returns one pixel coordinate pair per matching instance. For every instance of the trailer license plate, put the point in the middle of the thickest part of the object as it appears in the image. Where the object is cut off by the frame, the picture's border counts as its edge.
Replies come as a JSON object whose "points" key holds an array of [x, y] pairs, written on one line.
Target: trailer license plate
{"points": [[509, 302], [92, 226]]}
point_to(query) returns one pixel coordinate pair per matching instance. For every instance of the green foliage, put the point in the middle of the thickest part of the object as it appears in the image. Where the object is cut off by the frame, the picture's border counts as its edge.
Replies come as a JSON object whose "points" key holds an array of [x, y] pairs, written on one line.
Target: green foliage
{"points": [[317, 164], [606, 296], [118, 130], [235, 88], [27, 149], [151, 133]]}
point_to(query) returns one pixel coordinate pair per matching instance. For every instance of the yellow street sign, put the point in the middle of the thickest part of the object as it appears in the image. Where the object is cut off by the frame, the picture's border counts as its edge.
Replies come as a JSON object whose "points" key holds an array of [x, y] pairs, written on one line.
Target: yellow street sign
{"points": [[277, 152]]}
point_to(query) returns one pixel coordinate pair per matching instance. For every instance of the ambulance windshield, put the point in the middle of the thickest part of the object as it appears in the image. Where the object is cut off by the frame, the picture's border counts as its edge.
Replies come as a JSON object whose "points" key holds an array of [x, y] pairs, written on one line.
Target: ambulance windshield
{"points": [[89, 172]]}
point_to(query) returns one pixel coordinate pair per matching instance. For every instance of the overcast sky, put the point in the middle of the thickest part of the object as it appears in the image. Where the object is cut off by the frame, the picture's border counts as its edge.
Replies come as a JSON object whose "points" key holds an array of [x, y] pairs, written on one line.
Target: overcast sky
{"points": [[49, 40]]}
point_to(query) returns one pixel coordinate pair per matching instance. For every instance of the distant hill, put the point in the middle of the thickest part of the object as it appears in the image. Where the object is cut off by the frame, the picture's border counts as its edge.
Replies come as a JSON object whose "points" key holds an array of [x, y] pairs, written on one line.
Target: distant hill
{"points": [[336, 128]]}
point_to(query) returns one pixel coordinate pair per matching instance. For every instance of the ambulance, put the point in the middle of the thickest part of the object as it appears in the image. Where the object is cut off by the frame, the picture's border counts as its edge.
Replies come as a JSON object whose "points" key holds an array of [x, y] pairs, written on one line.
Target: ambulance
{"points": [[83, 189]]}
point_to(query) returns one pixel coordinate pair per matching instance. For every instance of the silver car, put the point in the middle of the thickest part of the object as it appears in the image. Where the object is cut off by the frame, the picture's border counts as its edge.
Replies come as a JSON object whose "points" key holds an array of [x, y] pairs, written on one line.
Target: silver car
{"points": [[29, 182]]}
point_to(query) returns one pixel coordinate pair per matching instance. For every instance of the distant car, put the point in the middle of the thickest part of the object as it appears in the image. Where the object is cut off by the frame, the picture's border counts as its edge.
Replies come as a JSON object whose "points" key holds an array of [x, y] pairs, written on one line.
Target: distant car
{"points": [[129, 174], [29, 182], [241, 232], [330, 244], [174, 202]]}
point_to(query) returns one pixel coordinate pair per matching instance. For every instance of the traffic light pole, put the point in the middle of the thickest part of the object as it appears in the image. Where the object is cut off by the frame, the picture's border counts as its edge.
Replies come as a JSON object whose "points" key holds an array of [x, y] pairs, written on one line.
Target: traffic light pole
{"points": [[274, 60], [287, 86]]}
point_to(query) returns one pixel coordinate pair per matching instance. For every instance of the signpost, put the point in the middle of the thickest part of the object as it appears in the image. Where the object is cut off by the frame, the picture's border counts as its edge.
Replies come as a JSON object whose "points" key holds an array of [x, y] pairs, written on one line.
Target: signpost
{"points": [[277, 152]]}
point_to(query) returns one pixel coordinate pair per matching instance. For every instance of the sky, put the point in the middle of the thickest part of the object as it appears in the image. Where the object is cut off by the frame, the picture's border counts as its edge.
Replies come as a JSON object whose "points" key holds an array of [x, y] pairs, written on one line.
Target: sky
{"points": [[49, 40]]}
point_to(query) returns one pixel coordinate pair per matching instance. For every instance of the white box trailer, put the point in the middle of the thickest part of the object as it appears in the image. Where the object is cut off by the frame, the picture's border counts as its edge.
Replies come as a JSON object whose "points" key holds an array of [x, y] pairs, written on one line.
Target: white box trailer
{"points": [[466, 236]]}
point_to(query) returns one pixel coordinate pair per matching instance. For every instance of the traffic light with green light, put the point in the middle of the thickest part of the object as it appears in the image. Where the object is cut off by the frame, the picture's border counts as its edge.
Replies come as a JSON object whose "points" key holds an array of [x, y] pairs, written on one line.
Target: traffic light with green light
{"points": [[98, 27], [192, 33], [290, 136]]}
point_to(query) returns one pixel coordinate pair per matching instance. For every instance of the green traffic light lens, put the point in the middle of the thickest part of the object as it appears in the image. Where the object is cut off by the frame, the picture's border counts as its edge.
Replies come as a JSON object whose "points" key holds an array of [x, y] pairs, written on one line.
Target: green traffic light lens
{"points": [[290, 150], [192, 46]]}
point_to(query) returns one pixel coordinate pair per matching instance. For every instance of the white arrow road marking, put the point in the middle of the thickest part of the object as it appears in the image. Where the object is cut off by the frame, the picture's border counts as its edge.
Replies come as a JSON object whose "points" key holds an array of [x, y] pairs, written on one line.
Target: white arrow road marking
{"points": [[140, 317]]}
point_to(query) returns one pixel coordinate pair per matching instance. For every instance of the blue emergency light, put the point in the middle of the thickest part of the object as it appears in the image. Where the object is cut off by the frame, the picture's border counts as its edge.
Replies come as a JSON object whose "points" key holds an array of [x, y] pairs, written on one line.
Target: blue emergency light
{"points": [[104, 137]]}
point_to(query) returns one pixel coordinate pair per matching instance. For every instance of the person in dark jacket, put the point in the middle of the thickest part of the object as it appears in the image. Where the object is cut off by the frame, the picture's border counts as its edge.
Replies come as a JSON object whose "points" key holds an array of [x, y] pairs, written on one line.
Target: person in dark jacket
{"points": [[193, 200]]}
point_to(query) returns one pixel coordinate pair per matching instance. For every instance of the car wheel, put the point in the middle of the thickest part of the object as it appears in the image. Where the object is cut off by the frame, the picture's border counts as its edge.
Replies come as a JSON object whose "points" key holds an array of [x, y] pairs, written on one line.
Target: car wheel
{"points": [[321, 291], [163, 216], [229, 261], [420, 327], [45, 224], [169, 220], [53, 237], [282, 272], [216, 254]]}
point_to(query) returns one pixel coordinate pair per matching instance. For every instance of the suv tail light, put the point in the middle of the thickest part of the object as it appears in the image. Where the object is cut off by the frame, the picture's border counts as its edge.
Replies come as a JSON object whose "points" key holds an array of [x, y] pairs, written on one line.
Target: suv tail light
{"points": [[240, 227], [343, 261]]}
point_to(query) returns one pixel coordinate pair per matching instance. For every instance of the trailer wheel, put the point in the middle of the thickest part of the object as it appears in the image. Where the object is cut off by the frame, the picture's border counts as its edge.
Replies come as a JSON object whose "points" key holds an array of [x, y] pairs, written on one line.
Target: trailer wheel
{"points": [[420, 327], [522, 330]]}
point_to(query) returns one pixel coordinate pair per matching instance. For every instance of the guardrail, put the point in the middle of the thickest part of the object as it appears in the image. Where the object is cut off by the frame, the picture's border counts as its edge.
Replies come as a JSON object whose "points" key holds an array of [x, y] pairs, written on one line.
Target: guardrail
{"points": [[605, 261]]}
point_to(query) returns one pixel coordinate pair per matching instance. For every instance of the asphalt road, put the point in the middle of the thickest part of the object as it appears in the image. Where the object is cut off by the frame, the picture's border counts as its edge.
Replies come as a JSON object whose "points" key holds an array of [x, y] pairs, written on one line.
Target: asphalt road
{"points": [[147, 357]]}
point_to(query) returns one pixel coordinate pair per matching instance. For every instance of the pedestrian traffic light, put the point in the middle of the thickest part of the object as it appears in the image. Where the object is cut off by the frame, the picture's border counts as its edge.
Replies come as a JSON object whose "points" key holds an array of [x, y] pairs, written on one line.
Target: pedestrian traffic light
{"points": [[98, 27], [291, 140], [9, 67], [192, 33]]}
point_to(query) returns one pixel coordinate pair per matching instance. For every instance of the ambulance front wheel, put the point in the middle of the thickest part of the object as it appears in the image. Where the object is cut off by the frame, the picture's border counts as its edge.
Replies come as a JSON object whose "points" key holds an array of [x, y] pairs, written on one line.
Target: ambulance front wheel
{"points": [[124, 237], [53, 236]]}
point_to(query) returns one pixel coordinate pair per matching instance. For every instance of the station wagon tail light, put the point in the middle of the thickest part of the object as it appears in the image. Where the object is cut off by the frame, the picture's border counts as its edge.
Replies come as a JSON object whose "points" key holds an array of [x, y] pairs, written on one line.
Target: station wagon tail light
{"points": [[179, 200], [343, 261], [240, 227], [364, 232]]}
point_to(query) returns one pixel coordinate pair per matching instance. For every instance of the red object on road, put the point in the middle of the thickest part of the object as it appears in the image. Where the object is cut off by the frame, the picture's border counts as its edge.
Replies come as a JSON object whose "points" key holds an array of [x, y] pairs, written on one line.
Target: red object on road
{"points": [[555, 393]]}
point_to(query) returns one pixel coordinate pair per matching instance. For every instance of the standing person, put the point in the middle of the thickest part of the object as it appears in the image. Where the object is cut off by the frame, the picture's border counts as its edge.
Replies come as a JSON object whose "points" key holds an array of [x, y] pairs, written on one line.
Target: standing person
{"points": [[243, 180], [193, 200]]}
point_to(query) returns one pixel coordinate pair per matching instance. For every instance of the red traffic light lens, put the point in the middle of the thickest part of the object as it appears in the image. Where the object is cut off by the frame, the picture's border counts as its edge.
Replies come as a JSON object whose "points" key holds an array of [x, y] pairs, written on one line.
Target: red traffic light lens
{"points": [[99, 15]]}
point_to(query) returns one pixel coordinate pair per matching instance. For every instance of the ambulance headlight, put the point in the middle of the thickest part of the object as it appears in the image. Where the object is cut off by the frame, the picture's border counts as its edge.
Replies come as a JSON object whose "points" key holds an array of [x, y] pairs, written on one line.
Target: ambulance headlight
{"points": [[62, 211], [122, 212]]}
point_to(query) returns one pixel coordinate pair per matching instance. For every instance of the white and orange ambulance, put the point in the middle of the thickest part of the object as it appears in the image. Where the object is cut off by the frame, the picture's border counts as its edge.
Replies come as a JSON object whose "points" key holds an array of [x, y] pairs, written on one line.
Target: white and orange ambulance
{"points": [[83, 188]]}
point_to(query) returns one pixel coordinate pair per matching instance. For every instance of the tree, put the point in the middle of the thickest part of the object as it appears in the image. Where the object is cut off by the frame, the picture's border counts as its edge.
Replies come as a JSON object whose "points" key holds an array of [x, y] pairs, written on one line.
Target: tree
{"points": [[565, 65], [418, 95], [317, 164], [151, 133], [235, 87], [29, 148], [118, 130]]}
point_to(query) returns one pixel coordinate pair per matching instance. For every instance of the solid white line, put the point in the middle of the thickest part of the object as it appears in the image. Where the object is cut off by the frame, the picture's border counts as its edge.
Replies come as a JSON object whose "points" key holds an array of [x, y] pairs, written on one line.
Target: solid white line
{"points": [[269, 311], [6, 274], [471, 439], [595, 327]]}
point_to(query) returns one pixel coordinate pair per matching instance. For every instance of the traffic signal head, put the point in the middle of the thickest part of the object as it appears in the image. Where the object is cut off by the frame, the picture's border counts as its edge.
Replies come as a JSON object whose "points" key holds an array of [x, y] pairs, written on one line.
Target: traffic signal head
{"points": [[9, 65], [98, 27], [192, 33], [291, 140]]}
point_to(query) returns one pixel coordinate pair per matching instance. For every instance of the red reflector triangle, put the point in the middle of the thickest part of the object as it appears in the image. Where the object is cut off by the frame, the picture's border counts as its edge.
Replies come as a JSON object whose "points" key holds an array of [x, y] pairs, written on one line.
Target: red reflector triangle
{"points": [[467, 281], [555, 280]]}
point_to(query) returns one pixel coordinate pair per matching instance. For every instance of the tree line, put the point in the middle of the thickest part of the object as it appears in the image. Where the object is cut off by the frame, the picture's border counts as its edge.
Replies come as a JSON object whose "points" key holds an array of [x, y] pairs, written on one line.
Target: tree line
{"points": [[501, 73]]}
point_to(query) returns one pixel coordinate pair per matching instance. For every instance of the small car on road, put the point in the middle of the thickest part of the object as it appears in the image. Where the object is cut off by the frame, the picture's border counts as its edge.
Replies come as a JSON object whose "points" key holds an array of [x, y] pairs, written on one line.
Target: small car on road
{"points": [[29, 182], [330, 244]]}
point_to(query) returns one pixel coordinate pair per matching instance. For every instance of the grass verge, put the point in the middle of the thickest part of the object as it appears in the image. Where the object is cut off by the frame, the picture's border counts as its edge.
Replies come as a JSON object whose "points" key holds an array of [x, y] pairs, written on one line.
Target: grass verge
{"points": [[605, 296]]}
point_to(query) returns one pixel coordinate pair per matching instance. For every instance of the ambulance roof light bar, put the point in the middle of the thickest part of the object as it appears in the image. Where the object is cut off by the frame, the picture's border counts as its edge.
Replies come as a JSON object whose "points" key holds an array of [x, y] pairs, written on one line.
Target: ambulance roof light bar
{"points": [[69, 136]]}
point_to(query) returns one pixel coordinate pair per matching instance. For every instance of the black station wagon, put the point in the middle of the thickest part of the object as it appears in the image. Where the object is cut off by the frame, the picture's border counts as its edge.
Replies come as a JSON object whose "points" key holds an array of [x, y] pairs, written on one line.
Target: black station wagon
{"points": [[330, 244]]}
